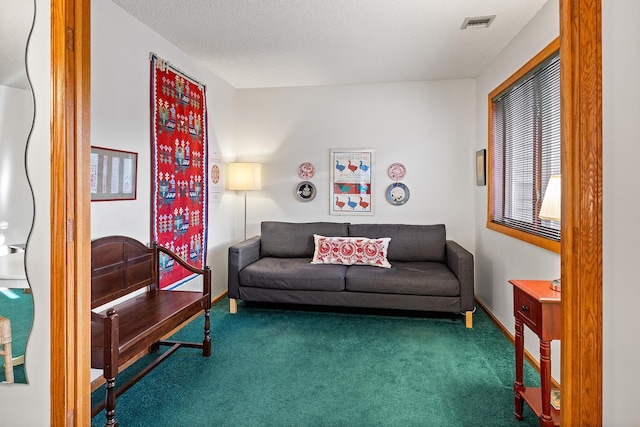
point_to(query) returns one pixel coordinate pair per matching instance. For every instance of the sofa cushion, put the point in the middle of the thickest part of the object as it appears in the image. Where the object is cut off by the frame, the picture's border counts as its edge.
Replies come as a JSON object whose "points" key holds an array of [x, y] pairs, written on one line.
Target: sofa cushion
{"points": [[293, 274], [408, 242], [407, 278], [295, 240]]}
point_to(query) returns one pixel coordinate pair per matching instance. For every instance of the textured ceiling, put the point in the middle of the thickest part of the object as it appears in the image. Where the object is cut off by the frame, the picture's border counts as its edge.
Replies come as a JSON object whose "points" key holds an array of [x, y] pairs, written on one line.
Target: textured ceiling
{"points": [[16, 17], [278, 43]]}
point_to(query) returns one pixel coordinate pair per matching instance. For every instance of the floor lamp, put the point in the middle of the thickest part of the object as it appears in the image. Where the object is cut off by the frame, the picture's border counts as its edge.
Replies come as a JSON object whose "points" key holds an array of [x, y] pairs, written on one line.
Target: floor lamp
{"points": [[245, 177], [550, 210]]}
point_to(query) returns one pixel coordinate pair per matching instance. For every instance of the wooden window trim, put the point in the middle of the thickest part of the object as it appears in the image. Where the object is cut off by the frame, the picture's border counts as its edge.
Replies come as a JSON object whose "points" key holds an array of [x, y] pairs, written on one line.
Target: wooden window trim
{"points": [[548, 244], [533, 239]]}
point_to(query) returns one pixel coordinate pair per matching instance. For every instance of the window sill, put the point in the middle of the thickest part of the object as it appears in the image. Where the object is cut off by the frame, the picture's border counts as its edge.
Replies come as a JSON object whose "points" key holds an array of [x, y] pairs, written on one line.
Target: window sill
{"points": [[550, 245]]}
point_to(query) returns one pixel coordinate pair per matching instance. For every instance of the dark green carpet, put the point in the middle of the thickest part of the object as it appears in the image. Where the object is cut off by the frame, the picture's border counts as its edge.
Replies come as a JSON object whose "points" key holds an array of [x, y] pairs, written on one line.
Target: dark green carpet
{"points": [[17, 306], [279, 367]]}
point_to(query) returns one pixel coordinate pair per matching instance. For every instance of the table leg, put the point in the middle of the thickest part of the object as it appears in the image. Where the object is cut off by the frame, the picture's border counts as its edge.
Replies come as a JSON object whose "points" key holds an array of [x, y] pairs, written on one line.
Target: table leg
{"points": [[519, 344], [8, 363], [5, 345], [545, 385]]}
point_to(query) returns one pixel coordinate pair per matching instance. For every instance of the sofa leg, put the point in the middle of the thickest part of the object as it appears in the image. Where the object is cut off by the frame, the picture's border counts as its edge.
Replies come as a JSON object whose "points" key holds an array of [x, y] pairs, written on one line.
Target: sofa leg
{"points": [[468, 319], [233, 306]]}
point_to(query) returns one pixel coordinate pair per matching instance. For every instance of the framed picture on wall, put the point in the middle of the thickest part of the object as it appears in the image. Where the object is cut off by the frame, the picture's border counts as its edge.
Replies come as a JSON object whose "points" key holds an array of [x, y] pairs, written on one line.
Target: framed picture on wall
{"points": [[481, 167], [351, 181], [113, 174]]}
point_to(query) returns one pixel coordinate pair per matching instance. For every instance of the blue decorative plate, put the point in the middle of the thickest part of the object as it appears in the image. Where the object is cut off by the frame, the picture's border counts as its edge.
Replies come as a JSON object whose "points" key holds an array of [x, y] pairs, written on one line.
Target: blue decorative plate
{"points": [[397, 194]]}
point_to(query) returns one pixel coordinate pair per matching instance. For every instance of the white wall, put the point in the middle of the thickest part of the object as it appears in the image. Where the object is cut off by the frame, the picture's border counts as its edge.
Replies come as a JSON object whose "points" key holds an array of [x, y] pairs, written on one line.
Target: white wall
{"points": [[621, 234], [120, 99], [16, 205], [427, 126], [28, 404], [498, 256]]}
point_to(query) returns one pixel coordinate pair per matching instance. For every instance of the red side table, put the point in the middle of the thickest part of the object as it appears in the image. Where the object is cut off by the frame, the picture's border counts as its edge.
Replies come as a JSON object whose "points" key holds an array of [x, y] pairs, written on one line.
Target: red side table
{"points": [[536, 305]]}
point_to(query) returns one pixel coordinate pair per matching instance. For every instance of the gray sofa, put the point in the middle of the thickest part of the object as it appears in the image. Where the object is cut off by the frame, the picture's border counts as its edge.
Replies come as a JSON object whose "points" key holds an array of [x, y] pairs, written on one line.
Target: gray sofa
{"points": [[428, 272]]}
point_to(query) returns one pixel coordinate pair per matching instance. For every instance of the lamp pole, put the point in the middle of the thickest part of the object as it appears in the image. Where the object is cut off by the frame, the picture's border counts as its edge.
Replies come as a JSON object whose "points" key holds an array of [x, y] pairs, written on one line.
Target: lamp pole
{"points": [[245, 215]]}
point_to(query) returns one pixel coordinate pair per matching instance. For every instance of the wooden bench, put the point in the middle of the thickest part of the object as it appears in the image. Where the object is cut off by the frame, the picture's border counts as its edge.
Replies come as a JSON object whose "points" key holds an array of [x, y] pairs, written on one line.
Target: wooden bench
{"points": [[134, 326]]}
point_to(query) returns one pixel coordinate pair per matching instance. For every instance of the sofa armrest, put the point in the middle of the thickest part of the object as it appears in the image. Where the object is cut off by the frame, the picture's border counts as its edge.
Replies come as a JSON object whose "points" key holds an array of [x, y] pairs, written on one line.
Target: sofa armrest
{"points": [[240, 255], [460, 262]]}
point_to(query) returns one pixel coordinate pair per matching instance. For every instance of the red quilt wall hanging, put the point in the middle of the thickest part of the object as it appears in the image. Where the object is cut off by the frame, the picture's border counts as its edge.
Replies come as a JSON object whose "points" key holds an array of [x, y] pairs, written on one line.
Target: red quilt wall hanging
{"points": [[179, 169]]}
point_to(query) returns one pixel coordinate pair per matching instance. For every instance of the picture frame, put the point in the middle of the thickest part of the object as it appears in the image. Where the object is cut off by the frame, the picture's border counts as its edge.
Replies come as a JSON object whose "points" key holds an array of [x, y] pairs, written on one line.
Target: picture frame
{"points": [[481, 167], [113, 174], [351, 181]]}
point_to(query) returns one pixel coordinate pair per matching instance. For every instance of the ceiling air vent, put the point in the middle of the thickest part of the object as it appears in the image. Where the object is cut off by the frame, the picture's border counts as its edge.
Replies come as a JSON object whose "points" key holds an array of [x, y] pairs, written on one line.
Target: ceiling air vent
{"points": [[477, 22]]}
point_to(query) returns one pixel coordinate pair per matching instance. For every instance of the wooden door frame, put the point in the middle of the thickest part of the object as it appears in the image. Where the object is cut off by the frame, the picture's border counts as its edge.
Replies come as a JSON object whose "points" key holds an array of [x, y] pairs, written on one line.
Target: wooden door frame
{"points": [[581, 247], [581, 254], [70, 212]]}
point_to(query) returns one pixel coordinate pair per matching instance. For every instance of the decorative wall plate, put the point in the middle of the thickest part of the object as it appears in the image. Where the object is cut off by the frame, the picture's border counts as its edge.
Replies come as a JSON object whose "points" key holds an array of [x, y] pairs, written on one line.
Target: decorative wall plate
{"points": [[397, 194], [396, 171], [306, 170], [215, 174], [305, 191]]}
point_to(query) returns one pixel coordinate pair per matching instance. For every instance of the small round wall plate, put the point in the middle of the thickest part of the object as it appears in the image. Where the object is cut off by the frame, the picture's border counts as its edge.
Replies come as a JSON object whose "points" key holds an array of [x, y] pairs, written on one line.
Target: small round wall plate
{"points": [[305, 191], [397, 194], [396, 171], [306, 170], [215, 174]]}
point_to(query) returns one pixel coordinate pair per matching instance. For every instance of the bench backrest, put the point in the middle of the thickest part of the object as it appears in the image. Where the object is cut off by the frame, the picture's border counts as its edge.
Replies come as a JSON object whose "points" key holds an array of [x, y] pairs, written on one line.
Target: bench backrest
{"points": [[120, 265]]}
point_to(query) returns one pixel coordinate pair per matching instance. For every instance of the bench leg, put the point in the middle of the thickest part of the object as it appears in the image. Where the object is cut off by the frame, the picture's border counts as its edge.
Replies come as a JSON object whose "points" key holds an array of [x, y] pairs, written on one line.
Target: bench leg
{"points": [[110, 404], [206, 343], [233, 306], [468, 319]]}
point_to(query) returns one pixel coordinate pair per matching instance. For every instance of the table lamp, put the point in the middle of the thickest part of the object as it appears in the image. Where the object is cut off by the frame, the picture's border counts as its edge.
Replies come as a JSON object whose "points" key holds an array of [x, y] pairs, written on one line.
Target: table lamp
{"points": [[245, 177], [550, 210]]}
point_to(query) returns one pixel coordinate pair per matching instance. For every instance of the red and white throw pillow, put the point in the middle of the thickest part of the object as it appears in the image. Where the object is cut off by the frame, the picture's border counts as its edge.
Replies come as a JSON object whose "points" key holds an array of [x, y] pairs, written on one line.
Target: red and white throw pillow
{"points": [[351, 250]]}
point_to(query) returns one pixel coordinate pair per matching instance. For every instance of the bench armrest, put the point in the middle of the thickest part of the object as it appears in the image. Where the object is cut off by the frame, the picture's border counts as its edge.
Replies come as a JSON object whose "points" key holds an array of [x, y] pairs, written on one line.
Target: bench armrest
{"points": [[205, 273], [110, 325], [460, 262], [240, 255]]}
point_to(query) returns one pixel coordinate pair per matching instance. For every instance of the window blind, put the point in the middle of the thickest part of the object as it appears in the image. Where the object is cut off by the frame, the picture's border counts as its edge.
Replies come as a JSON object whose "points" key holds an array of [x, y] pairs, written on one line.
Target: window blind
{"points": [[526, 149]]}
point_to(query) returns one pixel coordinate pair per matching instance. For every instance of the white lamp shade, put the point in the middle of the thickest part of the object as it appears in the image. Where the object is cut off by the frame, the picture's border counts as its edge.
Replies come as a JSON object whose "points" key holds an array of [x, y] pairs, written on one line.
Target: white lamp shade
{"points": [[245, 176], [551, 202]]}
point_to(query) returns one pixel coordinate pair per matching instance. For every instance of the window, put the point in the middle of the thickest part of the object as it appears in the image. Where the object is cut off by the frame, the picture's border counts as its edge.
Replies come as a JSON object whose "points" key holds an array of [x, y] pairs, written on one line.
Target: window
{"points": [[524, 149]]}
